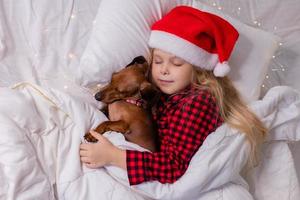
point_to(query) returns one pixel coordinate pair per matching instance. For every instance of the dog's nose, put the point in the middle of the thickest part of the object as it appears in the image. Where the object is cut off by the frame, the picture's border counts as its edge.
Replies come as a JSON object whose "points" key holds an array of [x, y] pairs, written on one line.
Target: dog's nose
{"points": [[98, 96]]}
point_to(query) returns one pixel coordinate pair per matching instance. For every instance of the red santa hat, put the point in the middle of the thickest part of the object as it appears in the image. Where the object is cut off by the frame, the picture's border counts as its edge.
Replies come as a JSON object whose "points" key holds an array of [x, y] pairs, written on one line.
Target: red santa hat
{"points": [[200, 38]]}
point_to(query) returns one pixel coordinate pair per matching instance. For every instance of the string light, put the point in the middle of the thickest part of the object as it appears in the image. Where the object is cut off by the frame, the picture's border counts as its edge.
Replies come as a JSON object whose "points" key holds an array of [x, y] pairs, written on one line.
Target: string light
{"points": [[65, 87], [71, 55], [275, 66], [73, 16], [257, 23], [239, 11]]}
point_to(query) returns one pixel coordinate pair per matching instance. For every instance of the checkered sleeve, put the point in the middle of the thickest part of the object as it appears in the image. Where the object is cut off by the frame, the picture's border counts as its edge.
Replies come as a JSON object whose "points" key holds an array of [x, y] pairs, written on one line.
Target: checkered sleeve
{"points": [[188, 126]]}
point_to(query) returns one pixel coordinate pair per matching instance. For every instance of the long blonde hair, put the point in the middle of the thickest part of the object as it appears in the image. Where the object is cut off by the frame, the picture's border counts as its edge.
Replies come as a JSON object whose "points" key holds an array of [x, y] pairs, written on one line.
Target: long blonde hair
{"points": [[233, 109]]}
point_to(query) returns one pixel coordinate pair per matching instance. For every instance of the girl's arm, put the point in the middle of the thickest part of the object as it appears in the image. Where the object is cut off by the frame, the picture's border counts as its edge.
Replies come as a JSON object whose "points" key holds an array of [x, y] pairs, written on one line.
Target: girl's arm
{"points": [[187, 128]]}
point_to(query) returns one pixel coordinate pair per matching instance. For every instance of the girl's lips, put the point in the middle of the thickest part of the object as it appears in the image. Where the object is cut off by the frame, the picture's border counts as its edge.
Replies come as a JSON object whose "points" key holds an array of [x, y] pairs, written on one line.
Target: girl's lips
{"points": [[164, 81]]}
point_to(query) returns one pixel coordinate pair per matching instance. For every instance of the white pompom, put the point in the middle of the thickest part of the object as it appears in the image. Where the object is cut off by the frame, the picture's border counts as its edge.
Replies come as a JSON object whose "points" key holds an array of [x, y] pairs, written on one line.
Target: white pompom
{"points": [[221, 69]]}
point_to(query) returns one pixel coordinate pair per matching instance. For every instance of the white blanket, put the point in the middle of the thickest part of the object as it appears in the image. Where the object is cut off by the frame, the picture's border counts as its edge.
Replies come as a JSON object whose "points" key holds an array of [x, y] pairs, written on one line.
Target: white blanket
{"points": [[42, 127]]}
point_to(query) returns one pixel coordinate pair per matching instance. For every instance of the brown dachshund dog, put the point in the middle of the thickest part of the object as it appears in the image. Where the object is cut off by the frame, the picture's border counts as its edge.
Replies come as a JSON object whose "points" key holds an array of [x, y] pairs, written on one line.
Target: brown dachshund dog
{"points": [[132, 93]]}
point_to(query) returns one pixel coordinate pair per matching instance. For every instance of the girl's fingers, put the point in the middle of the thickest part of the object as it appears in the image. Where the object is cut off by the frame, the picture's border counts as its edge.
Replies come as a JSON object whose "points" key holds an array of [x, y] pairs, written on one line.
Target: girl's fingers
{"points": [[84, 146], [91, 165], [85, 160], [83, 153]]}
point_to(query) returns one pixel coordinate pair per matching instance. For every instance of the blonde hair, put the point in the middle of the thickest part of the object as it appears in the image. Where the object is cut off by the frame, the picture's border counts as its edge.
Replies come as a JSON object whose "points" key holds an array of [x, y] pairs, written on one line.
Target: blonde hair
{"points": [[233, 109]]}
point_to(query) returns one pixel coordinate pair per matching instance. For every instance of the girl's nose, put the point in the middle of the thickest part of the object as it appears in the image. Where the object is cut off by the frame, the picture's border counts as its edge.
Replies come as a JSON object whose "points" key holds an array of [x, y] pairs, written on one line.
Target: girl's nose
{"points": [[164, 69]]}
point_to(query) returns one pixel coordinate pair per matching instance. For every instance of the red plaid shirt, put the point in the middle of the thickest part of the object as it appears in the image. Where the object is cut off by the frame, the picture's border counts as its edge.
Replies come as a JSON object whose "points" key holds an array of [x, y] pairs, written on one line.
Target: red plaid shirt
{"points": [[184, 120]]}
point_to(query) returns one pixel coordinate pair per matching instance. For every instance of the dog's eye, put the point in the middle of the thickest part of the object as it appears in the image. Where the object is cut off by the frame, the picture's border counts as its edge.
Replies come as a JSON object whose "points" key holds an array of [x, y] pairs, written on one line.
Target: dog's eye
{"points": [[129, 89], [122, 89]]}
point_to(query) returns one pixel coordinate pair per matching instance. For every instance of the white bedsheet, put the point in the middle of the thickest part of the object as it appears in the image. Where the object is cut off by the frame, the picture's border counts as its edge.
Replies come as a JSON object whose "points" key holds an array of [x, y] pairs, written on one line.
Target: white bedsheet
{"points": [[42, 127], [40, 132]]}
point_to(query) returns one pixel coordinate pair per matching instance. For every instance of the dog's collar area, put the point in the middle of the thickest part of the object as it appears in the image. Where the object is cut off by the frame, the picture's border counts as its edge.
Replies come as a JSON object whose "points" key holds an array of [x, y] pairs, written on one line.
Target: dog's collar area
{"points": [[137, 102]]}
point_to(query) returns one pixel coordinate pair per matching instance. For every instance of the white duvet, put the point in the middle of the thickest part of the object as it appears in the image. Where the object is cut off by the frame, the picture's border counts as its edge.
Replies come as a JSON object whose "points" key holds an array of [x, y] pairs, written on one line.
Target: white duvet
{"points": [[42, 127]]}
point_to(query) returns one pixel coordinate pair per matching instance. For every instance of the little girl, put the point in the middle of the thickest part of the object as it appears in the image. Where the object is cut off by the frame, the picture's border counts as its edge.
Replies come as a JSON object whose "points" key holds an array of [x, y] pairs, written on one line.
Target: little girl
{"points": [[190, 50]]}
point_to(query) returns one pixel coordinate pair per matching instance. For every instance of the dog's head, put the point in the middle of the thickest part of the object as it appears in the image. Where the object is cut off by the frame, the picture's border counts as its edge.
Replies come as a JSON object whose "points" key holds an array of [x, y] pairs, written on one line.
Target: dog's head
{"points": [[129, 82]]}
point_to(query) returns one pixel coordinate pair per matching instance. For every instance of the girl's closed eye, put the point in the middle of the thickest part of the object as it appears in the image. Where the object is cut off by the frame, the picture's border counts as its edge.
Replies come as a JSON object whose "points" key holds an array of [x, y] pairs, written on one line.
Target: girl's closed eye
{"points": [[178, 62], [158, 61]]}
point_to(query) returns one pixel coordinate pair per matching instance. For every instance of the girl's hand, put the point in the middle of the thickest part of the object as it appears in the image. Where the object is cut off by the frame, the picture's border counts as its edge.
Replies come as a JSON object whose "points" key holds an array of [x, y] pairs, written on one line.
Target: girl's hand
{"points": [[95, 155]]}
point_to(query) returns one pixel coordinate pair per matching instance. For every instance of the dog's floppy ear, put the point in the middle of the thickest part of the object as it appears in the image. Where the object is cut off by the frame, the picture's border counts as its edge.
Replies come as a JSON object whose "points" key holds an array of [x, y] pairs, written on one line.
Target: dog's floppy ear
{"points": [[148, 91], [138, 60], [141, 62]]}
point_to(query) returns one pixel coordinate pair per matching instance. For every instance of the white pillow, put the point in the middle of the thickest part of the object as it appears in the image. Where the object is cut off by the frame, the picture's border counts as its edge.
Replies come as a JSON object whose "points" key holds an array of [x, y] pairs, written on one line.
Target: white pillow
{"points": [[121, 31], [251, 56]]}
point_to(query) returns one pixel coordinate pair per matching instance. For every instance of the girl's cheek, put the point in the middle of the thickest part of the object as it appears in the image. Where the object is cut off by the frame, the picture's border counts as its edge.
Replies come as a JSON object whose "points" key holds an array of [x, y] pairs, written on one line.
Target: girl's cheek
{"points": [[153, 71]]}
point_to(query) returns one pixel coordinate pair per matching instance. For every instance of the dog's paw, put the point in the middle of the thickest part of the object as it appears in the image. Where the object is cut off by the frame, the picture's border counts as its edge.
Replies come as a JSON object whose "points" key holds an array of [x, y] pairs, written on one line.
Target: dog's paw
{"points": [[101, 128], [89, 138]]}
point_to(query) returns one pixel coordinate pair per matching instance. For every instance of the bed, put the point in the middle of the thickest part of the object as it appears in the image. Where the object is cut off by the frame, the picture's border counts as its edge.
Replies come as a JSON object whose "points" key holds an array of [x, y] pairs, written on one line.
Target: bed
{"points": [[55, 54]]}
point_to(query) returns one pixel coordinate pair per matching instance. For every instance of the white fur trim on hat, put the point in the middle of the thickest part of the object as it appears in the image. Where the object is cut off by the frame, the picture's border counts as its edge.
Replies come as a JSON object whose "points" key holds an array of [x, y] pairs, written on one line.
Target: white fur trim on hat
{"points": [[183, 49], [221, 69]]}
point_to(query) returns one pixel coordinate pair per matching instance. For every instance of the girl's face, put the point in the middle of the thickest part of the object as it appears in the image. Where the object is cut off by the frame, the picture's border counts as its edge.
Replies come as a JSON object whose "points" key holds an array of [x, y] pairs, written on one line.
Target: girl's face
{"points": [[170, 73]]}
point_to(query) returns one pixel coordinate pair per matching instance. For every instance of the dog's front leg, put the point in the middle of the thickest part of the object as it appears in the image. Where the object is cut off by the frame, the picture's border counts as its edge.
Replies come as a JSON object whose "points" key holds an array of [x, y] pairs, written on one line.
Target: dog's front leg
{"points": [[118, 126]]}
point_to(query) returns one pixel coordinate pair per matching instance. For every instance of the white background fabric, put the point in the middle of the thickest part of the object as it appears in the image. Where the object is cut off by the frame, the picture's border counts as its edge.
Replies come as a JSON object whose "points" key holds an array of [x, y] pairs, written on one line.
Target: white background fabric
{"points": [[43, 39]]}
